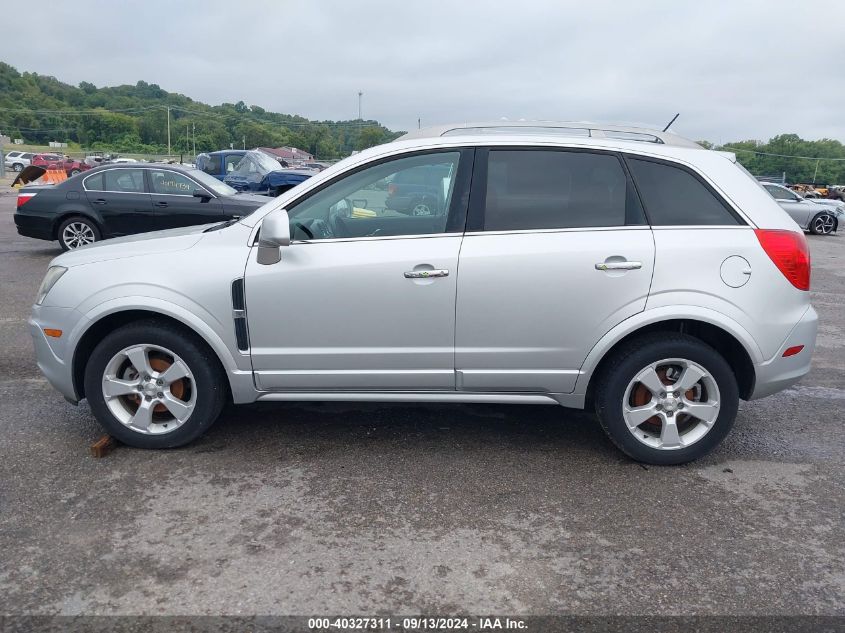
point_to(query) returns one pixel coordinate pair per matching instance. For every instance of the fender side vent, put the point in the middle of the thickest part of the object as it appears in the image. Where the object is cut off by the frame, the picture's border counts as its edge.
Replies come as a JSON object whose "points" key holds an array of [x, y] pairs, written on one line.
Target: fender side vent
{"points": [[239, 315]]}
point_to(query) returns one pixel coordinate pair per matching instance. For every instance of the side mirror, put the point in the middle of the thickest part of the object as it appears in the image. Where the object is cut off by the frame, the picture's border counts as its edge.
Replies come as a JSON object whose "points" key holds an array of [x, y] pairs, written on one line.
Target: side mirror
{"points": [[274, 233], [202, 193]]}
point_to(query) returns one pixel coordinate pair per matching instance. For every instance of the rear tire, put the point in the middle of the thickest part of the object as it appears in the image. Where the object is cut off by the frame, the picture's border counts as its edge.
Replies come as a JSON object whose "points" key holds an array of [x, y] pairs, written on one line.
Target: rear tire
{"points": [[17, 167], [641, 377], [170, 402], [77, 231]]}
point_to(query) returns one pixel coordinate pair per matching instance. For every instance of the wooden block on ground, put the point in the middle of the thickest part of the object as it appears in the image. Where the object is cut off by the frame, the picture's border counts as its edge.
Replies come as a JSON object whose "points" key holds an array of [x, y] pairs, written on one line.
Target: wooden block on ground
{"points": [[103, 446]]}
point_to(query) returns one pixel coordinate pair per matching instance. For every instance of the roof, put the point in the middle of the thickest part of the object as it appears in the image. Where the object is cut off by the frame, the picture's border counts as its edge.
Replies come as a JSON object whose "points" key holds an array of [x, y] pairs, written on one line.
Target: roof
{"points": [[286, 152], [576, 129]]}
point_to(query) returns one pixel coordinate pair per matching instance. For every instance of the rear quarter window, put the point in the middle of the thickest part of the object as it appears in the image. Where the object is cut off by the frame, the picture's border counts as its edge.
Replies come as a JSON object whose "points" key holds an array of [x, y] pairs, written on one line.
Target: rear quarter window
{"points": [[673, 196]]}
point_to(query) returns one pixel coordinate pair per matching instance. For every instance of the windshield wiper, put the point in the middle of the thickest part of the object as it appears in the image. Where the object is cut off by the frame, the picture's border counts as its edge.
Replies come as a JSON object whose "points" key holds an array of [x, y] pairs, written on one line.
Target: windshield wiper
{"points": [[222, 225]]}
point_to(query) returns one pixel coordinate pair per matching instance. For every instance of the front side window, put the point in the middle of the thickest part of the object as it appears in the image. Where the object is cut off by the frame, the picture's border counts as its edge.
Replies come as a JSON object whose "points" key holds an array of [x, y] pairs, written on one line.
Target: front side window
{"points": [[405, 196], [673, 196], [546, 189], [170, 183], [779, 193], [124, 180]]}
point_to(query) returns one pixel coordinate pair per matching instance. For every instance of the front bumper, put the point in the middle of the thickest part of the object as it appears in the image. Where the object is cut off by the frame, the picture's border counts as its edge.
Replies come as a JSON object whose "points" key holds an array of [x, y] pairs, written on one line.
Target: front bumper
{"points": [[54, 356], [778, 373]]}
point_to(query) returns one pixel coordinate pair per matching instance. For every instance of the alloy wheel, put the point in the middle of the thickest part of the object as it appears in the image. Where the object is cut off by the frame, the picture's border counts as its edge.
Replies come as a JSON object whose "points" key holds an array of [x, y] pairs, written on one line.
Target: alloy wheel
{"points": [[149, 389], [823, 224], [78, 234], [671, 404]]}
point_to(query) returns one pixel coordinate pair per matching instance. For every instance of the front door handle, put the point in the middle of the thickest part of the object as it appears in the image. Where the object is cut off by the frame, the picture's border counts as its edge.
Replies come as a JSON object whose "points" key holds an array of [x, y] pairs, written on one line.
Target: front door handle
{"points": [[426, 274], [99, 201], [161, 204], [618, 265]]}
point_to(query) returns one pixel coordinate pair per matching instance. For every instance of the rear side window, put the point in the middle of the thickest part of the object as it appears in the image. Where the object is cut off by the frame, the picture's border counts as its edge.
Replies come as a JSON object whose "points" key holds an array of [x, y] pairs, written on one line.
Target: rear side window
{"points": [[541, 189], [124, 180], [674, 197], [94, 183]]}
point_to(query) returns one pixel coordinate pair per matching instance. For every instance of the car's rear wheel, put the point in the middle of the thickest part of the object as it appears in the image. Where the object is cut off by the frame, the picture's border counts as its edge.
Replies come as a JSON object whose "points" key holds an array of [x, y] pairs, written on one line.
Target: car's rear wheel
{"points": [[77, 231], [822, 224], [152, 386], [17, 167], [666, 398]]}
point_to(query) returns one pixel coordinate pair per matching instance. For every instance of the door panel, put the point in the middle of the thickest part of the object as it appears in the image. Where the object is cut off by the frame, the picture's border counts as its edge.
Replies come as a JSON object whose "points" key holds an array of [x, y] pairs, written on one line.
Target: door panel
{"points": [[341, 315], [121, 201], [532, 304]]}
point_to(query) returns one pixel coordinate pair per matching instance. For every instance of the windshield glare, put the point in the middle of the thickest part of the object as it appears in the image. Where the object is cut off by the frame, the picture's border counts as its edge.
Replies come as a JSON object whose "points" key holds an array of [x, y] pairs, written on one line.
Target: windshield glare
{"points": [[210, 182]]}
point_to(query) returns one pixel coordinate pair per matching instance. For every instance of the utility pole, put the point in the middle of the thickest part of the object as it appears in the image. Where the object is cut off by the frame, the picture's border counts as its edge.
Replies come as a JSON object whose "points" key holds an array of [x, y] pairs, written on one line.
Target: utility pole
{"points": [[419, 123], [244, 141], [360, 94], [168, 130], [187, 137], [815, 172], [194, 130]]}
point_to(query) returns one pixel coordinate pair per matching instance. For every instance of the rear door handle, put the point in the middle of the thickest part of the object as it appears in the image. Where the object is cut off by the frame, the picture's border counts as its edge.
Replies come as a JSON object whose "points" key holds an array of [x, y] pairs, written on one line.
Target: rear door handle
{"points": [[99, 201], [618, 265], [161, 204], [426, 274]]}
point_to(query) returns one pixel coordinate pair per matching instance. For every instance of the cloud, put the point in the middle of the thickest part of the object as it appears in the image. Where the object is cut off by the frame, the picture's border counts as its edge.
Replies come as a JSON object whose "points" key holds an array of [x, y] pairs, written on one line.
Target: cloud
{"points": [[734, 70]]}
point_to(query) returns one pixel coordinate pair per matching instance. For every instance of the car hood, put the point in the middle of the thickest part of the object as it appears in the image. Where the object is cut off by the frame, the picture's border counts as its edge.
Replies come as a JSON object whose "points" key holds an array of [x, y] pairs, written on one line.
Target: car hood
{"points": [[142, 244], [830, 204], [253, 200]]}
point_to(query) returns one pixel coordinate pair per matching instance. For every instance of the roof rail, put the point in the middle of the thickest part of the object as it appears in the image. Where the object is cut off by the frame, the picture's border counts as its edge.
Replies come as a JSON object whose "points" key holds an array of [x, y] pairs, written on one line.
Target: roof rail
{"points": [[558, 128]]}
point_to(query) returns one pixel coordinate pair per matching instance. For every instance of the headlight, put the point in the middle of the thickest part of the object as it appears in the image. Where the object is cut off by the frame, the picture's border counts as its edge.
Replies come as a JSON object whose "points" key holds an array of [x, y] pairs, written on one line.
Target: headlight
{"points": [[54, 273]]}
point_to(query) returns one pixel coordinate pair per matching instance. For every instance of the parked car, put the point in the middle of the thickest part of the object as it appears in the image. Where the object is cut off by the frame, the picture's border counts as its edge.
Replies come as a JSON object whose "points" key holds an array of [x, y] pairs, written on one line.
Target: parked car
{"points": [[221, 163], [420, 191], [17, 160], [816, 215], [56, 161], [583, 272], [115, 200], [259, 173]]}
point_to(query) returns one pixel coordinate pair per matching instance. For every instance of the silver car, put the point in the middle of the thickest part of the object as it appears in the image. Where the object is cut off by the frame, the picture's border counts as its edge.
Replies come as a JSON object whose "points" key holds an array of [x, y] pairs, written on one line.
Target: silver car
{"points": [[628, 271], [815, 215]]}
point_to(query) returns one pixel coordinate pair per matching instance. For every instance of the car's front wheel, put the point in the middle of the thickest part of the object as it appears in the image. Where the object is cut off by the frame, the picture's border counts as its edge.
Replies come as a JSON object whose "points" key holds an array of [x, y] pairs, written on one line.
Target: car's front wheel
{"points": [[822, 224], [666, 398], [77, 231], [73, 172], [17, 167], [152, 385]]}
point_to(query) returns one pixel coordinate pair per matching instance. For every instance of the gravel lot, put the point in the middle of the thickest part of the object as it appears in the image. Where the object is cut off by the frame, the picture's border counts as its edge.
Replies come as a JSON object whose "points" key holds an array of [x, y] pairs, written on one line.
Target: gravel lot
{"points": [[331, 508]]}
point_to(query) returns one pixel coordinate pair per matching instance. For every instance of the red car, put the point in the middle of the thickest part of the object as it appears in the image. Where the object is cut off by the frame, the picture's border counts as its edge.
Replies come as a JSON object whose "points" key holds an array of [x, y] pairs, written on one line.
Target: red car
{"points": [[70, 166]]}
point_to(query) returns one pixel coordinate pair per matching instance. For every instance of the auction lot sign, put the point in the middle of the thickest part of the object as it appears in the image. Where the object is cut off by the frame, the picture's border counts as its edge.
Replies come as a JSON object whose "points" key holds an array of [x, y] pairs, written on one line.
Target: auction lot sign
{"points": [[422, 623]]}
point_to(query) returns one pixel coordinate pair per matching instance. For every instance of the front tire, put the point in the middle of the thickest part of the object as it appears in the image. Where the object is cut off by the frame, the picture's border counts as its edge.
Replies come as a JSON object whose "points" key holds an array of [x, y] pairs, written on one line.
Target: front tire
{"points": [[77, 231], [73, 172], [666, 398], [17, 167], [822, 224], [152, 386]]}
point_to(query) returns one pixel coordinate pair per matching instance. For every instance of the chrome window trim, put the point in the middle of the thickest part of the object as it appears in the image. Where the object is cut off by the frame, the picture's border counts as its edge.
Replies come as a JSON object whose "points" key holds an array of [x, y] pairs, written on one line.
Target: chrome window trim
{"points": [[142, 169], [377, 238], [578, 229]]}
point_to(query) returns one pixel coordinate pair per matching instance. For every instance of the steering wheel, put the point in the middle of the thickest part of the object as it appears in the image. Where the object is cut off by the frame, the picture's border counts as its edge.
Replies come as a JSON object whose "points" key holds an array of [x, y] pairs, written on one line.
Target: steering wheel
{"points": [[305, 229]]}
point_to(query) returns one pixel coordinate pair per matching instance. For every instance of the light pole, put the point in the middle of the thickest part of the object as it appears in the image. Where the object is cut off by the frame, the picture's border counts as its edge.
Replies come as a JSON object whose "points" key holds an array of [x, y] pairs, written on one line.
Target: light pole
{"points": [[360, 94], [168, 130]]}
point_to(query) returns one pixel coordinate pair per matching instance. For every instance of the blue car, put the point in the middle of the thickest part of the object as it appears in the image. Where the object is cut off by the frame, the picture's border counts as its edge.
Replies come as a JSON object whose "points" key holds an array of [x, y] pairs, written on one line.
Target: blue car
{"points": [[219, 164], [259, 173]]}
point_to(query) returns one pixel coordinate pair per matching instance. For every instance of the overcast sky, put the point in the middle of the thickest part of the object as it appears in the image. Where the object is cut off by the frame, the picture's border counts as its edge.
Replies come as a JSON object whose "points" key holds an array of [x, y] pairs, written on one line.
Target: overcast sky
{"points": [[733, 69]]}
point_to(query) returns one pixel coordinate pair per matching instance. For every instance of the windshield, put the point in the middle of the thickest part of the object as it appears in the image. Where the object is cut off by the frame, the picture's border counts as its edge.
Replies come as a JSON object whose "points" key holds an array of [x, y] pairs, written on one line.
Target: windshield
{"points": [[210, 182], [256, 163]]}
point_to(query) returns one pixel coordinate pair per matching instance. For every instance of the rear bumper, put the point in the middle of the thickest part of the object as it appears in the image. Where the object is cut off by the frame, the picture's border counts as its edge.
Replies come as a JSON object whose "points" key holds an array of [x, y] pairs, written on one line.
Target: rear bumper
{"points": [[34, 226], [778, 373]]}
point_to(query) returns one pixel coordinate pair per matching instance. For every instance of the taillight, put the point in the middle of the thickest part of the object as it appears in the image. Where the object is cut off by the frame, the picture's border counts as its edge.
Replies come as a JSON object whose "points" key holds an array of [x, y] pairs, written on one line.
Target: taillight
{"points": [[788, 251], [23, 198]]}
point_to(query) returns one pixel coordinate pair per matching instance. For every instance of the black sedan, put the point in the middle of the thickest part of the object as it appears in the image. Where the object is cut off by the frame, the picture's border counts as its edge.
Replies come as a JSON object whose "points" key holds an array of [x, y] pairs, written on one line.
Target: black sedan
{"points": [[115, 200]]}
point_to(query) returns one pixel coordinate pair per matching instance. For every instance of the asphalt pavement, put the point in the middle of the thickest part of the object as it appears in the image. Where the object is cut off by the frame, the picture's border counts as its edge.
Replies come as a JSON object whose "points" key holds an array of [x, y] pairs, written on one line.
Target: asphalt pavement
{"points": [[434, 509]]}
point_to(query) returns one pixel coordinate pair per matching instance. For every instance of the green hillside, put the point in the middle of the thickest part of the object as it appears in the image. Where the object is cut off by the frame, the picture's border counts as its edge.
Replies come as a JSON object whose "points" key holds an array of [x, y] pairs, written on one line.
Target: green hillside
{"points": [[40, 109]]}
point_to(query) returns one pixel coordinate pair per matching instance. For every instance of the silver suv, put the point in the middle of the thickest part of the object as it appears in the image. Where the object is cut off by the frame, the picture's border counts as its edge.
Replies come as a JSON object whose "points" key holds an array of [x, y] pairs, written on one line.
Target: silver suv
{"points": [[628, 271], [17, 160]]}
